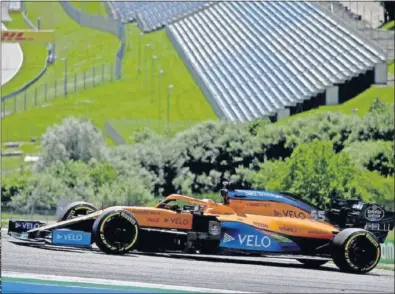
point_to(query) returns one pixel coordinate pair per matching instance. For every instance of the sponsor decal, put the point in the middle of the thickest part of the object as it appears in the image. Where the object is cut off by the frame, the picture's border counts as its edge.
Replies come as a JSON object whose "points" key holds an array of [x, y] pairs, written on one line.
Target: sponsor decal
{"points": [[74, 238], [227, 238], [153, 220], [358, 206], [128, 218], [27, 36], [276, 213], [254, 240], [258, 204], [260, 225], [261, 193], [240, 236], [372, 240], [374, 213], [177, 221], [73, 212], [294, 214], [287, 229], [146, 212], [27, 225]]}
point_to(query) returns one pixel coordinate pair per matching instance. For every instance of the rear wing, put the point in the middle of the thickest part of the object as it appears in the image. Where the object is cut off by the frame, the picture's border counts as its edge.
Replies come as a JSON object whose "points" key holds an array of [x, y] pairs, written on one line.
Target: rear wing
{"points": [[358, 214]]}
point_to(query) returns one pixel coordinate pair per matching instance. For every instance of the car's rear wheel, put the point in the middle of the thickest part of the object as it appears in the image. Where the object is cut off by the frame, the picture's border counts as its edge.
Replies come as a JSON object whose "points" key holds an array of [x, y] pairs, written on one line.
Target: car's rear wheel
{"points": [[76, 209], [116, 231], [356, 251], [312, 263]]}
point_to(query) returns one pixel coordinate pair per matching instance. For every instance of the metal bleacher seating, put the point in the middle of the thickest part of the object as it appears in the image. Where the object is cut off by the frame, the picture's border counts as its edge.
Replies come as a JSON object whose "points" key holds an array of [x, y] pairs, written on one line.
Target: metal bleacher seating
{"points": [[254, 59], [154, 15]]}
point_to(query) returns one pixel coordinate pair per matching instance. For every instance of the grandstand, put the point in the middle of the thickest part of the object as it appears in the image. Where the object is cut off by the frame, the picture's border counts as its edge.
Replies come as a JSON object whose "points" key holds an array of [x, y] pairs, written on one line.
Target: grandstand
{"points": [[269, 59], [152, 16], [265, 59]]}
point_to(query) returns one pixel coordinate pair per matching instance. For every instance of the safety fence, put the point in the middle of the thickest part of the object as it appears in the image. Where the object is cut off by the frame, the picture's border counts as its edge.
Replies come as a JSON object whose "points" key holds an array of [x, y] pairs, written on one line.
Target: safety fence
{"points": [[39, 95], [101, 23]]}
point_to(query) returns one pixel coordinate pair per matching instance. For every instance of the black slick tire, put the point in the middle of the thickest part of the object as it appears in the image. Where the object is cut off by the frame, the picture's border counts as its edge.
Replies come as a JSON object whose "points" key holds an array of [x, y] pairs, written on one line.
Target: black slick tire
{"points": [[76, 209], [356, 251], [116, 231]]}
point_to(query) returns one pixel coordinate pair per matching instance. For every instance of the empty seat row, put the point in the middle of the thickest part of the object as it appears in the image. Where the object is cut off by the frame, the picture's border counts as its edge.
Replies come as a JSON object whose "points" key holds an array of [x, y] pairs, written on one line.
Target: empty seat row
{"points": [[154, 15], [257, 58]]}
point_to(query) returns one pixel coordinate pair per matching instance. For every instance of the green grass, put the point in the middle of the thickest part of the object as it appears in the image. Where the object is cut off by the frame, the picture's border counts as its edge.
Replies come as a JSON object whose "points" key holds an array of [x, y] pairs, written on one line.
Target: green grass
{"points": [[91, 7], [127, 99], [391, 67], [83, 47], [6, 216], [34, 58], [12, 162], [389, 25], [362, 102]]}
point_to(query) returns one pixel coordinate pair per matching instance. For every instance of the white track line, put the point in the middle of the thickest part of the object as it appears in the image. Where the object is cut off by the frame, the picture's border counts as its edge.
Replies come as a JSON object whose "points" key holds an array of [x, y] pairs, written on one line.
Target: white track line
{"points": [[112, 282]]}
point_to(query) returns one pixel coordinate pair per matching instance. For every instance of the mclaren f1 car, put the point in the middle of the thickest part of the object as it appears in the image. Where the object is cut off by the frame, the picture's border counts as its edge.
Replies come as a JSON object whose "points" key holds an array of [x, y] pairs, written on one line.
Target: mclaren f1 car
{"points": [[247, 222]]}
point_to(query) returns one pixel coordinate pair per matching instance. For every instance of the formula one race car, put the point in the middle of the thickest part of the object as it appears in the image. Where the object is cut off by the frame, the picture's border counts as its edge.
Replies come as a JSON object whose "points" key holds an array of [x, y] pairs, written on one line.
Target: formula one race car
{"points": [[248, 222], [119, 229]]}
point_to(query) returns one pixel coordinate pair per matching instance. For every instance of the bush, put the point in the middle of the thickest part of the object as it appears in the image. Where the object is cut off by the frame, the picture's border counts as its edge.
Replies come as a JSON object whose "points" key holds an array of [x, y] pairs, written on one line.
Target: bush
{"points": [[74, 139], [313, 171], [377, 125], [373, 155]]}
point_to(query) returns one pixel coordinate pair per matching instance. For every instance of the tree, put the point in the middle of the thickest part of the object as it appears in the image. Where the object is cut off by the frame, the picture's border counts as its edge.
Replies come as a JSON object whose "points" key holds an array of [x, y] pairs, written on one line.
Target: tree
{"points": [[74, 139], [313, 171]]}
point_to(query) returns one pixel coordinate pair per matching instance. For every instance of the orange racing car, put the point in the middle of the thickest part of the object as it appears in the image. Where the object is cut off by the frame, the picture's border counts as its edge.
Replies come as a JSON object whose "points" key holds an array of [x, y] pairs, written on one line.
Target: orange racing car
{"points": [[253, 222]]}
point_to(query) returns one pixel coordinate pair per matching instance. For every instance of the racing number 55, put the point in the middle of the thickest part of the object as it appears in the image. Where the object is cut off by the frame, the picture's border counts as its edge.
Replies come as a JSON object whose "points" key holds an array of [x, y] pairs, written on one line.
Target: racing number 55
{"points": [[318, 215]]}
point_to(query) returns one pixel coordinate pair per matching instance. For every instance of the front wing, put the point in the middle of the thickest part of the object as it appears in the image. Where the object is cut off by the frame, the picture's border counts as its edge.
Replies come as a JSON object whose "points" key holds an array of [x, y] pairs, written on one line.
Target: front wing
{"points": [[62, 237]]}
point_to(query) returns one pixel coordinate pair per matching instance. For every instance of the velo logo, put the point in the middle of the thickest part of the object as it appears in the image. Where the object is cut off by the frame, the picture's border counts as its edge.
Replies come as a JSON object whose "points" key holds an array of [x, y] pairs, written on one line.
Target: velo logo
{"points": [[73, 238]]}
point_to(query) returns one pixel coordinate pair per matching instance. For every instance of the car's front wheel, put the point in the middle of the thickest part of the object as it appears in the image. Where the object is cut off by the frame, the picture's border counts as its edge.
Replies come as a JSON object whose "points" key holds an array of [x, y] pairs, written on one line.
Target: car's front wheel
{"points": [[116, 231]]}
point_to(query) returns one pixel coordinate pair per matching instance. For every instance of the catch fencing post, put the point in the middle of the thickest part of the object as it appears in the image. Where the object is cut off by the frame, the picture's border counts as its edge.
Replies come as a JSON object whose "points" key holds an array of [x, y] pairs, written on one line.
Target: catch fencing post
{"points": [[14, 102], [25, 99], [35, 97], [56, 89], [84, 79], [75, 82], [102, 73], [93, 81], [46, 89]]}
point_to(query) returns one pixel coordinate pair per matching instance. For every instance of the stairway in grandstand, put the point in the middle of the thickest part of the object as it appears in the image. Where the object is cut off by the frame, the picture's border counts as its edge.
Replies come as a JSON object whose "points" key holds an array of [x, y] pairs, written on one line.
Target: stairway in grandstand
{"points": [[352, 17], [264, 59]]}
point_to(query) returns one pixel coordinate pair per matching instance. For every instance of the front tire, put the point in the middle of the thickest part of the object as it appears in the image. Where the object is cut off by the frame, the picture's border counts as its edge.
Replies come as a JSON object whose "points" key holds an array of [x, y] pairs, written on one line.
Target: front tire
{"points": [[76, 209], [356, 251], [116, 231]]}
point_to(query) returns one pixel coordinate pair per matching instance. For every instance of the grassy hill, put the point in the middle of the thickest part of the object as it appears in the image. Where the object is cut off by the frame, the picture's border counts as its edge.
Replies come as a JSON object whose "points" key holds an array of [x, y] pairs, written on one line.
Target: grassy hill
{"points": [[34, 58]]}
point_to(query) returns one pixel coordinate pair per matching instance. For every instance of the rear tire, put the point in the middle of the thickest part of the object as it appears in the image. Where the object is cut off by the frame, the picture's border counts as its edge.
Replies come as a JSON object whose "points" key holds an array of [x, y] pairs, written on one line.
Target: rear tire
{"points": [[116, 231], [76, 209], [311, 263], [356, 251]]}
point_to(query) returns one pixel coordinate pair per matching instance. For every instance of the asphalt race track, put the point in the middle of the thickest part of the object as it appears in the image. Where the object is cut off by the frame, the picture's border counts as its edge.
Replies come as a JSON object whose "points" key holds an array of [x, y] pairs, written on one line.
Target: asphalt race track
{"points": [[264, 275]]}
